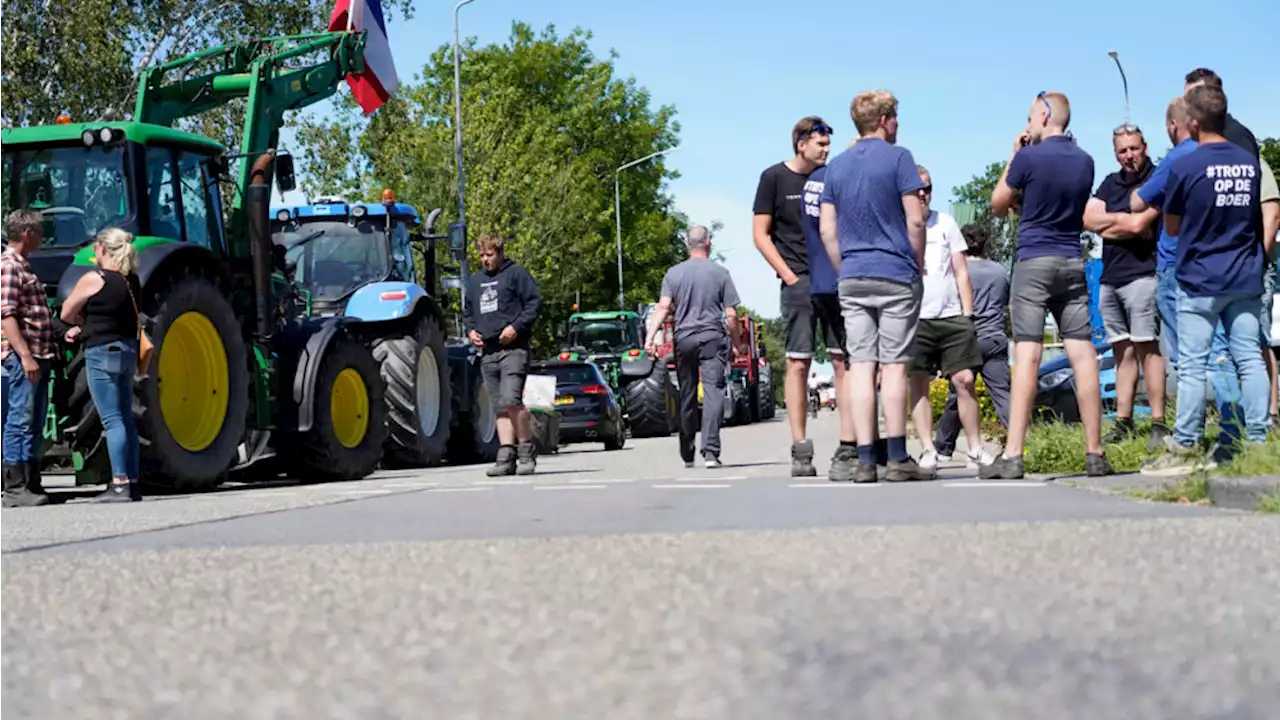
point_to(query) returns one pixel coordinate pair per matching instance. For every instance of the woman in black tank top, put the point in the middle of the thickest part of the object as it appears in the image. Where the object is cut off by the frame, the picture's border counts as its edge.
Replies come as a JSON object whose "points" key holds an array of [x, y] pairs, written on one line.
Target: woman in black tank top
{"points": [[104, 307]]}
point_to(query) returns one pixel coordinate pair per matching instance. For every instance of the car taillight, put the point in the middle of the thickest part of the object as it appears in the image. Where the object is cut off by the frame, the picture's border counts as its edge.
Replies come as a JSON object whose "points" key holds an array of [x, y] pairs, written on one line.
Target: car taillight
{"points": [[595, 390]]}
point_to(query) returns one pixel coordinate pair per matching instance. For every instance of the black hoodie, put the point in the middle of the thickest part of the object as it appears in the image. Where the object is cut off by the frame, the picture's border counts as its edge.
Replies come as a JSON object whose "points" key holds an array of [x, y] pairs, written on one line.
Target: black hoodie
{"points": [[508, 296]]}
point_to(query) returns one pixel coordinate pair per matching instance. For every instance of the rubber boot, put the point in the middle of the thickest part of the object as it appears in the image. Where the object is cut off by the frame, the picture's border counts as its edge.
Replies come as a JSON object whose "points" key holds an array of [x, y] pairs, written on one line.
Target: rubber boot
{"points": [[116, 493], [505, 464], [35, 482], [17, 490], [528, 459], [802, 459]]}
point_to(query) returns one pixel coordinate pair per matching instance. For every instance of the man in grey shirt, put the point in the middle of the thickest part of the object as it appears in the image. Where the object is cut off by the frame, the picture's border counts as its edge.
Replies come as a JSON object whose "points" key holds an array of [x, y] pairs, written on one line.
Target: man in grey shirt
{"points": [[704, 302], [990, 298]]}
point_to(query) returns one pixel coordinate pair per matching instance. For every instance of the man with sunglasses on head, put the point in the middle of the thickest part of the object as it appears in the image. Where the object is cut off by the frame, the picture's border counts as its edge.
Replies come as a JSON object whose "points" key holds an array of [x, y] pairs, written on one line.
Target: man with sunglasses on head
{"points": [[778, 229], [1055, 178], [1127, 292]]}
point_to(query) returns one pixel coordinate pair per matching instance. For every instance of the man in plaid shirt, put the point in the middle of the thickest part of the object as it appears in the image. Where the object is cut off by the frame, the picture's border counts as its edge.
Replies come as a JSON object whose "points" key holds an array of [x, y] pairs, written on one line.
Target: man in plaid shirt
{"points": [[26, 347]]}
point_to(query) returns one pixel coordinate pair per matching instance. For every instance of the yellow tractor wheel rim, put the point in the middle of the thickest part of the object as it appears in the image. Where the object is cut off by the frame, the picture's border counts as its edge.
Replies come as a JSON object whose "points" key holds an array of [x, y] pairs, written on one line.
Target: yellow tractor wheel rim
{"points": [[193, 381], [349, 408]]}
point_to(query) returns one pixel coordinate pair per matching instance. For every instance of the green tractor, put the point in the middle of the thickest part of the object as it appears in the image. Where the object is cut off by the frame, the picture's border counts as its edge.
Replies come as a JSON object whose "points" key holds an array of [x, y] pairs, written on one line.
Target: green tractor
{"points": [[612, 340], [240, 372]]}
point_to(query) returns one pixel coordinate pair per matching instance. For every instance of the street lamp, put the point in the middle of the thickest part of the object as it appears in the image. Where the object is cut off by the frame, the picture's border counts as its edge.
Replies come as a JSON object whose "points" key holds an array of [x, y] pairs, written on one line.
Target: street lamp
{"points": [[1116, 56], [457, 140], [617, 213]]}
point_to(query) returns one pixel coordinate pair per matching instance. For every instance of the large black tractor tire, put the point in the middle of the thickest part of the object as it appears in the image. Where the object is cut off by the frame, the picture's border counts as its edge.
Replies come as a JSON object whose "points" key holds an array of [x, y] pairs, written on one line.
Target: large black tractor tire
{"points": [[755, 406], [651, 404], [349, 423], [418, 394], [192, 407], [475, 433]]}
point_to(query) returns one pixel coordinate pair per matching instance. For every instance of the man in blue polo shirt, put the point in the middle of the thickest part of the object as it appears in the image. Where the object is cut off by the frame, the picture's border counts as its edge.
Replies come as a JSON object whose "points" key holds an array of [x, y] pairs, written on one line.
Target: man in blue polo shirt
{"points": [[873, 229], [1211, 203], [1055, 178]]}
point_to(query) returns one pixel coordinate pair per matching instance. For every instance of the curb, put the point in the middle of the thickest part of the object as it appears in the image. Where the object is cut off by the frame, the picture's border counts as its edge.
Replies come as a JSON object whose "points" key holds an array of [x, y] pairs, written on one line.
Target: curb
{"points": [[1242, 493]]}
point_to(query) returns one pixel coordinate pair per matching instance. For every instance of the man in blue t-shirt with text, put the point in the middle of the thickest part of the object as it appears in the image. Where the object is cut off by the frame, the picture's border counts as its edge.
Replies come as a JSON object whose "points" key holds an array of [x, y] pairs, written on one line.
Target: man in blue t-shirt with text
{"points": [[1055, 178], [873, 229], [1210, 204]]}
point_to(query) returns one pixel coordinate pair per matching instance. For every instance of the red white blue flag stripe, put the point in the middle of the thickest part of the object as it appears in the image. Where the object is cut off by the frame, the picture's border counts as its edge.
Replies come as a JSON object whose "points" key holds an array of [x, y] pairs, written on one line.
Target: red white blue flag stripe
{"points": [[378, 81]]}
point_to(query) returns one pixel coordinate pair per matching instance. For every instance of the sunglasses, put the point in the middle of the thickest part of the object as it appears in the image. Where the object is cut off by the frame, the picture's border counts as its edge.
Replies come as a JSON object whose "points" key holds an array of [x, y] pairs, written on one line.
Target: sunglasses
{"points": [[926, 189], [1048, 108], [820, 128], [1126, 129]]}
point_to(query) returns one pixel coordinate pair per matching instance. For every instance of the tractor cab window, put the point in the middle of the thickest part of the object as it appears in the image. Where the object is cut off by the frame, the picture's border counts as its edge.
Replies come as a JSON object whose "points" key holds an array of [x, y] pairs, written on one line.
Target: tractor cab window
{"points": [[332, 258], [603, 335], [402, 251], [200, 208], [162, 194], [78, 190]]}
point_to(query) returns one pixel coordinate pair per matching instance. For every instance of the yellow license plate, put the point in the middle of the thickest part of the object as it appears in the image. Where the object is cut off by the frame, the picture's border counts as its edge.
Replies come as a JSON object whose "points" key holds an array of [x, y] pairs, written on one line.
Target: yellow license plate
{"points": [[564, 400]]}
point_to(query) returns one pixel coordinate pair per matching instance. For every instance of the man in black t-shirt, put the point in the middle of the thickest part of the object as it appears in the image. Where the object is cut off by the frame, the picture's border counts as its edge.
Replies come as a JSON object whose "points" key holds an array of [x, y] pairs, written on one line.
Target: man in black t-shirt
{"points": [[1127, 293], [779, 236]]}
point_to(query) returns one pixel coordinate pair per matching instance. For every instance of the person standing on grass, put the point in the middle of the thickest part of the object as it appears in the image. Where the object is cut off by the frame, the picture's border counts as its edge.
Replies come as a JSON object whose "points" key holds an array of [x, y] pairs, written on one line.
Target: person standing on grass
{"points": [[1210, 204], [502, 304], [706, 320], [1269, 194], [946, 339], [990, 283], [26, 348], [1055, 178], [1127, 293], [778, 231], [873, 228]]}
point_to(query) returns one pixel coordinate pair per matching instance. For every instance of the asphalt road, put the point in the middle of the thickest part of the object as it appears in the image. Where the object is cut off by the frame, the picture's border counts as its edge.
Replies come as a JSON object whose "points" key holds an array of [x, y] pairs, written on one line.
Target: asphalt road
{"points": [[620, 585]]}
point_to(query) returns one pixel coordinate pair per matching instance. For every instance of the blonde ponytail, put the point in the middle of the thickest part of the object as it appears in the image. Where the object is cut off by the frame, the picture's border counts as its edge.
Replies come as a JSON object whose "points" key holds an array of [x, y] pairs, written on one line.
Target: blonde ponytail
{"points": [[118, 247]]}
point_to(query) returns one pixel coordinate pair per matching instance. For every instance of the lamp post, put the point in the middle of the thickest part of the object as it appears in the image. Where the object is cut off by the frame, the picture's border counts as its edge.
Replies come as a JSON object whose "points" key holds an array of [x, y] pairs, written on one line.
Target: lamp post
{"points": [[617, 213], [1116, 56], [457, 139]]}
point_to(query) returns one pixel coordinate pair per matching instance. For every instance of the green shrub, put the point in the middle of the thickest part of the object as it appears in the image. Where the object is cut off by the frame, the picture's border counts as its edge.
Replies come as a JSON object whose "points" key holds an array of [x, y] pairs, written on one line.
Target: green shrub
{"points": [[1058, 448]]}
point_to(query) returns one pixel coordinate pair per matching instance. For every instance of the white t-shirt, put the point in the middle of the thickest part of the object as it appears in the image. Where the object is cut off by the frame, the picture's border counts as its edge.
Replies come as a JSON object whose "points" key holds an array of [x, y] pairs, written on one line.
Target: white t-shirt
{"points": [[941, 298]]}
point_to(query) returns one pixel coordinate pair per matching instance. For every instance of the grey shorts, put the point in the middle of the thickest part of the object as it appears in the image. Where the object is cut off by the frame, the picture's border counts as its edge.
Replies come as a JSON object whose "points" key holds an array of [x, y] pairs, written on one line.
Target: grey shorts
{"points": [[880, 319], [1129, 311], [1052, 284], [504, 372]]}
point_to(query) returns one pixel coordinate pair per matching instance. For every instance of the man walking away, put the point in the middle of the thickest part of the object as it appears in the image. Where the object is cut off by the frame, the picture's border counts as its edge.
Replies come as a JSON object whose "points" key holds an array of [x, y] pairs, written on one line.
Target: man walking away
{"points": [[501, 307], [1211, 204], [706, 319], [26, 348], [779, 236], [946, 339], [990, 284], [1127, 293], [873, 228], [1056, 178]]}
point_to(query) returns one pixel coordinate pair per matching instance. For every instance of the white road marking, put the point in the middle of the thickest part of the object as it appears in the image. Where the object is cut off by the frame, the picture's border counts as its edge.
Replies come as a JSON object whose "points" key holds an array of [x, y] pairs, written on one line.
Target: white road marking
{"points": [[369, 491], [503, 482], [690, 486], [615, 481], [987, 484], [460, 489], [274, 493], [571, 487], [711, 476], [834, 485], [410, 485]]}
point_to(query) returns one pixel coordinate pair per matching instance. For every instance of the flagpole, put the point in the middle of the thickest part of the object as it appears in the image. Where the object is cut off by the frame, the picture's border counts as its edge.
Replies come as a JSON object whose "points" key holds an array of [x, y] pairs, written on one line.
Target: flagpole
{"points": [[457, 137]]}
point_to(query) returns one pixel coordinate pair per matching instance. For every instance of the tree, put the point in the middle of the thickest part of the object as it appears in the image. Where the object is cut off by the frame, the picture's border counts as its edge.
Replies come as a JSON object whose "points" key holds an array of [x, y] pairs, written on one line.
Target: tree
{"points": [[1271, 151], [83, 56], [978, 193], [545, 125]]}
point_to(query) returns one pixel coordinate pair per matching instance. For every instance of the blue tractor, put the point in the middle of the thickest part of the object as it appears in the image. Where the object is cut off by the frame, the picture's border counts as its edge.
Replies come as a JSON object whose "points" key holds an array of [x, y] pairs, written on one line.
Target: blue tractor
{"points": [[366, 261]]}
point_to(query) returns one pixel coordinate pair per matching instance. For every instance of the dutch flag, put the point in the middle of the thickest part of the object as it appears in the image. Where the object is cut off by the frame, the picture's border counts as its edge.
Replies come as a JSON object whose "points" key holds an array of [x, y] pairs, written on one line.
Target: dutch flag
{"points": [[378, 81]]}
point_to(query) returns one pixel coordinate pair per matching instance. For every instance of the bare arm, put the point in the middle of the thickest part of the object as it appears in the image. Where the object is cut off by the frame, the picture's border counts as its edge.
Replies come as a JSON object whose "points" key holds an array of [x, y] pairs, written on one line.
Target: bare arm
{"points": [[1117, 226], [1003, 198], [656, 319], [960, 266], [1172, 224], [1136, 203], [1270, 226], [762, 232], [731, 319], [13, 333], [913, 206], [827, 229], [73, 307]]}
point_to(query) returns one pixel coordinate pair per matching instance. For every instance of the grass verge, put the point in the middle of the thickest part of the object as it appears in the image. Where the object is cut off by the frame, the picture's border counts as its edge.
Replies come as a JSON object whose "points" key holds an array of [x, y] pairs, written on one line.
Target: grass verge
{"points": [[1255, 459], [1270, 504], [1058, 449], [1192, 489]]}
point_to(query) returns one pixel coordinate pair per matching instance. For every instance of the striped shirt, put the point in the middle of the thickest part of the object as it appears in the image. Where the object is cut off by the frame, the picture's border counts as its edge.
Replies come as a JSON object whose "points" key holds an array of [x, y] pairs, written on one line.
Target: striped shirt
{"points": [[22, 297]]}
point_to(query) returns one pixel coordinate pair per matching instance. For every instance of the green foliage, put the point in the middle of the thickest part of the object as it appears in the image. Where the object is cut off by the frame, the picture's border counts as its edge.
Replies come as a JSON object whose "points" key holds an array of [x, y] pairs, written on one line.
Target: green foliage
{"points": [[545, 124], [1058, 448], [987, 416], [83, 56], [1191, 489], [1270, 503], [978, 193], [1271, 151], [1254, 459]]}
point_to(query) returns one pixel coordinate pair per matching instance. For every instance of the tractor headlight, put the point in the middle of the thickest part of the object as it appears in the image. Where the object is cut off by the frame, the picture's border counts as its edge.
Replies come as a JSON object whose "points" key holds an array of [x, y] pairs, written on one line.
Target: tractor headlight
{"points": [[104, 135], [282, 216], [88, 138]]}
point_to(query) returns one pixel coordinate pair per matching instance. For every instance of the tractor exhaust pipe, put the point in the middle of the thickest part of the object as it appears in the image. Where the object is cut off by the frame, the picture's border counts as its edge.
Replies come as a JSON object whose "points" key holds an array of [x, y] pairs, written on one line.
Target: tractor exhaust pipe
{"points": [[258, 206]]}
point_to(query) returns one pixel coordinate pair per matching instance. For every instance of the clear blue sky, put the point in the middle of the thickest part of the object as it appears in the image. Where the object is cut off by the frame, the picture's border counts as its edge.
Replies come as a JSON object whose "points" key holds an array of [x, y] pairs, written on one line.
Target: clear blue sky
{"points": [[741, 72]]}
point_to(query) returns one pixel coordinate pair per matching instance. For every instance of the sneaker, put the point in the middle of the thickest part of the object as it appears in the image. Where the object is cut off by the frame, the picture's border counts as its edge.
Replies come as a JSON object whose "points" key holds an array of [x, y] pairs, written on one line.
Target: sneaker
{"points": [[929, 460], [979, 459], [1002, 468], [505, 464], [1156, 438], [844, 465], [527, 459], [711, 461], [802, 459], [943, 457], [909, 471], [1119, 432], [866, 474], [1177, 461], [115, 493], [1097, 465]]}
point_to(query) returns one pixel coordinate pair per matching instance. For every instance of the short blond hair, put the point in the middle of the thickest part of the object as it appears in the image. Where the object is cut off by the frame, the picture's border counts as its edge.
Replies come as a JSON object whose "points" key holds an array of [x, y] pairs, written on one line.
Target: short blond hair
{"points": [[490, 241], [868, 107], [1177, 111]]}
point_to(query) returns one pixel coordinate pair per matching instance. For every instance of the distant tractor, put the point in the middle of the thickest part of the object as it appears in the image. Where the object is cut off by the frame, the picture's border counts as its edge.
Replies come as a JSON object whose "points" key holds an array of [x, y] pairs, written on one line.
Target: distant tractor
{"points": [[613, 341]]}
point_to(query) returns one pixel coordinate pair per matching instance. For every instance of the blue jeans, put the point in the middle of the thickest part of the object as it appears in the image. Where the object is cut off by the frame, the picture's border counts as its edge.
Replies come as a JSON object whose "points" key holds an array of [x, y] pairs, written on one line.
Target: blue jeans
{"points": [[24, 410], [110, 369], [1221, 368], [1198, 319]]}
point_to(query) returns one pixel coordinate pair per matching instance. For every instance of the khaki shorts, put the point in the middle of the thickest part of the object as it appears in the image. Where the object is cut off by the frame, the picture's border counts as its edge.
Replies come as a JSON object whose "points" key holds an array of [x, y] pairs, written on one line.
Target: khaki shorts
{"points": [[1054, 284], [1129, 311], [880, 319]]}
